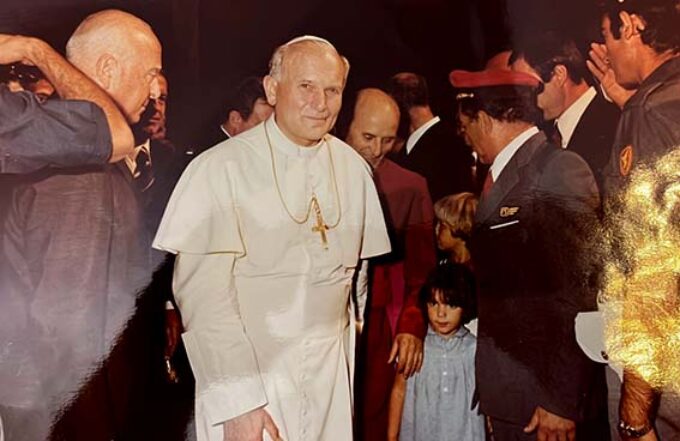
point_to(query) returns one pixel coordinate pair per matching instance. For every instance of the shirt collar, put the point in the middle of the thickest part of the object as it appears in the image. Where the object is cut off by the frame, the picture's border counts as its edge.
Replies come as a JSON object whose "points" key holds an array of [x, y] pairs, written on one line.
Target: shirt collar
{"points": [[460, 333], [225, 131], [418, 133], [567, 122], [283, 144], [509, 151], [131, 159]]}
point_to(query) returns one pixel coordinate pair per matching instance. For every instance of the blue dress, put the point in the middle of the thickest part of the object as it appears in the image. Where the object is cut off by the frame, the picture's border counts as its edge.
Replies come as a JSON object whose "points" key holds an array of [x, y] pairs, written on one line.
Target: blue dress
{"points": [[438, 399]]}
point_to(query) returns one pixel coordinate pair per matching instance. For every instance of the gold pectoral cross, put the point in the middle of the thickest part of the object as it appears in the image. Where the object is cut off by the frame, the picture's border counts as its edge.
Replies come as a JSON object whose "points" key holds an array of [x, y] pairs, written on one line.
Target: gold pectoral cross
{"points": [[320, 226]]}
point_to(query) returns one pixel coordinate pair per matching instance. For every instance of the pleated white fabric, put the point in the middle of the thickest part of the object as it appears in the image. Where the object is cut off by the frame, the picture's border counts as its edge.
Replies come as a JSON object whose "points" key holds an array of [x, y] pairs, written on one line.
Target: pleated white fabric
{"points": [[265, 305]]}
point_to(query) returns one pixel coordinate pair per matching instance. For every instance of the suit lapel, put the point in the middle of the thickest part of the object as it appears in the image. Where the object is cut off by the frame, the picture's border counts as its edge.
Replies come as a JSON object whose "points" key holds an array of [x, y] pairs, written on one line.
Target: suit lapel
{"points": [[509, 177]]}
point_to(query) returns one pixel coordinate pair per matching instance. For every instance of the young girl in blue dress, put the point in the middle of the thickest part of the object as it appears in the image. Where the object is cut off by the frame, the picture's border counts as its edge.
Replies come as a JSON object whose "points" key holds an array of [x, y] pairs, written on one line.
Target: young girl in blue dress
{"points": [[436, 403]]}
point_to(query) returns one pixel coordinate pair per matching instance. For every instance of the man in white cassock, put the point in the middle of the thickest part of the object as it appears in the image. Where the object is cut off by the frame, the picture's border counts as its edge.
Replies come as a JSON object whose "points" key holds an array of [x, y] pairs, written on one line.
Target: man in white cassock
{"points": [[268, 228]]}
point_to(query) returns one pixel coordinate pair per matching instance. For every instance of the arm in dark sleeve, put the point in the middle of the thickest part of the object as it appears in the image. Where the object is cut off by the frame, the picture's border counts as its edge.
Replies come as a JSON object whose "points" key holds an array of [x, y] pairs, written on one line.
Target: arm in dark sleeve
{"points": [[60, 133], [566, 228]]}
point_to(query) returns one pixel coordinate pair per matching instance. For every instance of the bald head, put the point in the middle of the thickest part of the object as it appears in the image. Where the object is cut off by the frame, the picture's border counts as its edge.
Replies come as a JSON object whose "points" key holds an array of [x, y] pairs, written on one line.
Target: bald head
{"points": [[121, 53], [373, 129], [110, 30]]}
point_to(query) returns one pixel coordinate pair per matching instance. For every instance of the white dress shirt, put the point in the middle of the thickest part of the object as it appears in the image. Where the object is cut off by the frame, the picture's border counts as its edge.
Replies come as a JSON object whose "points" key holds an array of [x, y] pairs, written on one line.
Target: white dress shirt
{"points": [[509, 151], [225, 131], [131, 159]]}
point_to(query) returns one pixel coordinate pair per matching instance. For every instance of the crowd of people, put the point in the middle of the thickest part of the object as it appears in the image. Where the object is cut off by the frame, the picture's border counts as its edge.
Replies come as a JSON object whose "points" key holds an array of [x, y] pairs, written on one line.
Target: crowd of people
{"points": [[335, 264]]}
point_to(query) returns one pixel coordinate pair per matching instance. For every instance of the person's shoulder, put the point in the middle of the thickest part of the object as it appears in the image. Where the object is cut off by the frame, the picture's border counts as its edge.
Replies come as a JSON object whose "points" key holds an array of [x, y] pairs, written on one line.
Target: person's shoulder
{"points": [[404, 177], [658, 91], [469, 341], [663, 95], [559, 161], [566, 175]]}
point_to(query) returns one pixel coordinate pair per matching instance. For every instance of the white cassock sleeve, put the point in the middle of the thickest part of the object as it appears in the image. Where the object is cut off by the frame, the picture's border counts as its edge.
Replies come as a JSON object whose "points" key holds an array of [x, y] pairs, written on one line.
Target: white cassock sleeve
{"points": [[200, 225]]}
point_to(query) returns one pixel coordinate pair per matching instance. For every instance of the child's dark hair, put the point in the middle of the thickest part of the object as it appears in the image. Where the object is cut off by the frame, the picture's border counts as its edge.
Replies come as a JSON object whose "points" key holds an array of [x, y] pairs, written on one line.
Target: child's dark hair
{"points": [[456, 284]]}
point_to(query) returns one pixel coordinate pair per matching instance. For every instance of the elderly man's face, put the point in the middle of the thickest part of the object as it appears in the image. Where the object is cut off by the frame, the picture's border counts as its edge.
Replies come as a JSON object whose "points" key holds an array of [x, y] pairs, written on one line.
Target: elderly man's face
{"points": [[308, 95], [373, 130], [138, 78], [471, 130]]}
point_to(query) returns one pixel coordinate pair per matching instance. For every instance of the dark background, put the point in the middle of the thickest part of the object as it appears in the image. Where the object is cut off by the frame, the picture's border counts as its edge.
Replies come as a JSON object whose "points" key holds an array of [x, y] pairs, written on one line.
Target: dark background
{"points": [[210, 45]]}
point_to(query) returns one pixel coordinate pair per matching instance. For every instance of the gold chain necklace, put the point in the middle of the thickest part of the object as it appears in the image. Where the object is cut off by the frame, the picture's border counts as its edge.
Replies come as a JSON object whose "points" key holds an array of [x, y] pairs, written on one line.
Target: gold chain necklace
{"points": [[321, 227]]}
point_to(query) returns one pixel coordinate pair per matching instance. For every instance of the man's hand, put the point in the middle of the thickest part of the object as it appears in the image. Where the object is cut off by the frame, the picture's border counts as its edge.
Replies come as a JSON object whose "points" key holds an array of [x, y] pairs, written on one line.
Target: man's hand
{"points": [[250, 427], [409, 350], [551, 427], [14, 49], [600, 67], [173, 329]]}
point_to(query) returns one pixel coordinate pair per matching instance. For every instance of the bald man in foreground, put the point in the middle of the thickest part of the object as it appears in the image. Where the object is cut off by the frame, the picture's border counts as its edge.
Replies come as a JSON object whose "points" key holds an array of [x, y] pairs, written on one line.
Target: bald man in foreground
{"points": [[74, 250], [397, 277]]}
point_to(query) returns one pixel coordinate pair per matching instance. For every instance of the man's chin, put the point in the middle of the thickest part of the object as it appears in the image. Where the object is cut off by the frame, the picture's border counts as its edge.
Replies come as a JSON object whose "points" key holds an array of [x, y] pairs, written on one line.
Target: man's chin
{"points": [[316, 133], [134, 119], [152, 128]]}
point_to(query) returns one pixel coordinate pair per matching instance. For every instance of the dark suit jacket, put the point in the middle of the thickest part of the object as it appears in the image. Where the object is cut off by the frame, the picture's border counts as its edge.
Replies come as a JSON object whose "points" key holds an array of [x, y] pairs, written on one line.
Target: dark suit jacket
{"points": [[442, 158], [594, 135], [528, 246]]}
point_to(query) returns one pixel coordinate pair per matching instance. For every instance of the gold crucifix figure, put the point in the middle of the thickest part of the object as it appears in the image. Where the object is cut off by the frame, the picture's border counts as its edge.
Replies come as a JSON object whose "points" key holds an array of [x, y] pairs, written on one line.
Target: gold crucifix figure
{"points": [[320, 226]]}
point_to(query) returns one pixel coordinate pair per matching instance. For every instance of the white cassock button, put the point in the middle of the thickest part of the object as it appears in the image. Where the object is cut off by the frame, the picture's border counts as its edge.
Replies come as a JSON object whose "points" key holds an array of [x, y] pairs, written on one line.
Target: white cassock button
{"points": [[446, 389], [445, 373]]}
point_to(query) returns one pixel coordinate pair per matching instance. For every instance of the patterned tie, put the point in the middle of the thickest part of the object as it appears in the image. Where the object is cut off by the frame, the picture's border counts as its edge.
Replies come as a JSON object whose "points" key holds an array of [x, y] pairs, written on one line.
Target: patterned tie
{"points": [[143, 175], [488, 183]]}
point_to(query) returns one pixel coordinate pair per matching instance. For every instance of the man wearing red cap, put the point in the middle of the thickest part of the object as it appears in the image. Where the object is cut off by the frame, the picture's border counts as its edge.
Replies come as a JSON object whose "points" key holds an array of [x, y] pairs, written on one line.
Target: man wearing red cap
{"points": [[530, 233]]}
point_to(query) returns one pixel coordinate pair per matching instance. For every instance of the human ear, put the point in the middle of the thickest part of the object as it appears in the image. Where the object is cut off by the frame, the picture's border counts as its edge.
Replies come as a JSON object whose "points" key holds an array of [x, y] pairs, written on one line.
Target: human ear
{"points": [[107, 71], [485, 122], [235, 119], [271, 85], [560, 74]]}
